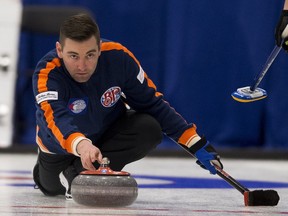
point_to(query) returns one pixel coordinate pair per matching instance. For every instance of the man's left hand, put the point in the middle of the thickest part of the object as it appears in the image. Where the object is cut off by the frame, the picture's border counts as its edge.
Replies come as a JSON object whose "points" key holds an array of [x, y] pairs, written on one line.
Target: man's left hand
{"points": [[206, 155]]}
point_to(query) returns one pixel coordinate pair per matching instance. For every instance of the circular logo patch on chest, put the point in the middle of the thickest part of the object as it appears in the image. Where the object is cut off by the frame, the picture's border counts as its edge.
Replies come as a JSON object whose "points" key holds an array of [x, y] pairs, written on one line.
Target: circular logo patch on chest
{"points": [[111, 96]]}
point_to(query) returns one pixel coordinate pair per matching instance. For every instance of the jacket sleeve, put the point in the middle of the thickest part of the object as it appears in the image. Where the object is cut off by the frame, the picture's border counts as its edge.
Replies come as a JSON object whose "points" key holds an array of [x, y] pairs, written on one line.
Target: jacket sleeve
{"points": [[51, 114], [142, 95]]}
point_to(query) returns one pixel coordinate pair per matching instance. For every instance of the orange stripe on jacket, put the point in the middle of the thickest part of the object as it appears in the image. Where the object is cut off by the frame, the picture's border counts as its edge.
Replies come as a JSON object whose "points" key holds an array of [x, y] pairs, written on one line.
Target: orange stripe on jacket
{"points": [[40, 143], [48, 111], [107, 46], [43, 75]]}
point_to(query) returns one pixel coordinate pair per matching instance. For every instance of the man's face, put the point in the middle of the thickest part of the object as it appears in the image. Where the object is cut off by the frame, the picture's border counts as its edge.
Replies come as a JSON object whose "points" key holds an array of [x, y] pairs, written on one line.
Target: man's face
{"points": [[80, 58]]}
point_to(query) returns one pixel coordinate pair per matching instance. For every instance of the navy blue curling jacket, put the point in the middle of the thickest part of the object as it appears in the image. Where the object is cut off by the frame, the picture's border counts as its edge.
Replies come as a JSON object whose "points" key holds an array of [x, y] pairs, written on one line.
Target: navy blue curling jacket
{"points": [[68, 111]]}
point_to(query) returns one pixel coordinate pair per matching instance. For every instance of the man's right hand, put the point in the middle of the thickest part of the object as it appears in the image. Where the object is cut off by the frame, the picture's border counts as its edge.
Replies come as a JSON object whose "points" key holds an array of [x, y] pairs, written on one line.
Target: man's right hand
{"points": [[281, 25], [88, 154]]}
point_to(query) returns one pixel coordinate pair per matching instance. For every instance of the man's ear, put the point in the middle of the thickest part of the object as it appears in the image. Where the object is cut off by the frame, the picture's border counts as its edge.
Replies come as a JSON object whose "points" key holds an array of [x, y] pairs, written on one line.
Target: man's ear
{"points": [[59, 50]]}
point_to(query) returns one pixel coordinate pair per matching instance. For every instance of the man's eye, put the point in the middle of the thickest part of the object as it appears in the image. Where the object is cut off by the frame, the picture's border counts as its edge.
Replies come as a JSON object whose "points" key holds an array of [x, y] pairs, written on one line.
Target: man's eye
{"points": [[90, 55], [73, 56]]}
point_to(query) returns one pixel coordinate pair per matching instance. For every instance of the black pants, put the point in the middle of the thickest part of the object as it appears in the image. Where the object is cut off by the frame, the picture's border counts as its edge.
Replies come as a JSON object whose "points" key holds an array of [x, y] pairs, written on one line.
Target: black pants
{"points": [[131, 138]]}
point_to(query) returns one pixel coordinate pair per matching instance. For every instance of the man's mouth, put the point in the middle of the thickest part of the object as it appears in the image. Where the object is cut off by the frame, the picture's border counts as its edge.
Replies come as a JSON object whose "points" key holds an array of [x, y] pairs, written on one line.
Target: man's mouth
{"points": [[82, 73]]}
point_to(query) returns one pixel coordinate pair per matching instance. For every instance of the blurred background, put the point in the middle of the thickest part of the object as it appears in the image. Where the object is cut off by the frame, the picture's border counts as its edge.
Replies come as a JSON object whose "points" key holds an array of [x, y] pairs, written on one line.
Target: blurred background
{"points": [[196, 52]]}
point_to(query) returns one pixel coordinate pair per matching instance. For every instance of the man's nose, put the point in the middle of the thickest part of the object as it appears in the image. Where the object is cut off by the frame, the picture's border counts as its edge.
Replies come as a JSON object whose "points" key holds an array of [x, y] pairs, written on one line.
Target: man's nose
{"points": [[82, 64]]}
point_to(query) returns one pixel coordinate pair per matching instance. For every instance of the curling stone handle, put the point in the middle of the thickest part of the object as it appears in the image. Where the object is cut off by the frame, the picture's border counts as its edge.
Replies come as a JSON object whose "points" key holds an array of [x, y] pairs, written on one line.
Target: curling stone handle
{"points": [[104, 169], [105, 162]]}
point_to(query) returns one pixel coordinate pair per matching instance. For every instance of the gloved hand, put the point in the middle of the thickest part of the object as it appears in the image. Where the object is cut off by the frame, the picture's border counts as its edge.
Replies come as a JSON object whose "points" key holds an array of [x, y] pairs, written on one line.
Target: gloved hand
{"points": [[282, 23], [206, 154]]}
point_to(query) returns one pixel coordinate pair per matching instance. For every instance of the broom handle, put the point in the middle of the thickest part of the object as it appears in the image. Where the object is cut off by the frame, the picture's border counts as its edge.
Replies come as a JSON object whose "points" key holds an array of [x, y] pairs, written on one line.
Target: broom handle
{"points": [[229, 179], [224, 175], [267, 65], [270, 60]]}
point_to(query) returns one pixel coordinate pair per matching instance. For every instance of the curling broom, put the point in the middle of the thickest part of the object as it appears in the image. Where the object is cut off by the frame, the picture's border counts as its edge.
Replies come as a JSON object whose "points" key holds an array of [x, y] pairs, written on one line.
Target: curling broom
{"points": [[253, 93], [251, 198]]}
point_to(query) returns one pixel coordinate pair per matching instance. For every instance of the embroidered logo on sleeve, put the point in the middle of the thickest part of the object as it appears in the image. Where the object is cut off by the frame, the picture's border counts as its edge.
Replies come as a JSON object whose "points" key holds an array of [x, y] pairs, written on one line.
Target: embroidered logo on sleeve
{"points": [[140, 75], [45, 96], [111, 96]]}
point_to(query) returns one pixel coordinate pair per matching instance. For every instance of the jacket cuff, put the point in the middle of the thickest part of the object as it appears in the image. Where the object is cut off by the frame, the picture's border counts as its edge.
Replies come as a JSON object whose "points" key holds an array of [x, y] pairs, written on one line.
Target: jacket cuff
{"points": [[75, 143], [189, 137]]}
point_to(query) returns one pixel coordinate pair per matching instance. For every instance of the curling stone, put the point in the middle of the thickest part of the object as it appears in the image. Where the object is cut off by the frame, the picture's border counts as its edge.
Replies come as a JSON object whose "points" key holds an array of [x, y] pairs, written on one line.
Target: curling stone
{"points": [[104, 187]]}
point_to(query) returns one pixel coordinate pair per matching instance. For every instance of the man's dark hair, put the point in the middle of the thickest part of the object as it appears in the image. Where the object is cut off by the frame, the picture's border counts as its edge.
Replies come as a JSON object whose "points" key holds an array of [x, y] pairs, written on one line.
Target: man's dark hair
{"points": [[79, 27]]}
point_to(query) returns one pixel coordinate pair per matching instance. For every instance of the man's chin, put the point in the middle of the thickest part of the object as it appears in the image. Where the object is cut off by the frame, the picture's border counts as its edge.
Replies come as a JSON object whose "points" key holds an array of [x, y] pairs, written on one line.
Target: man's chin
{"points": [[81, 78]]}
